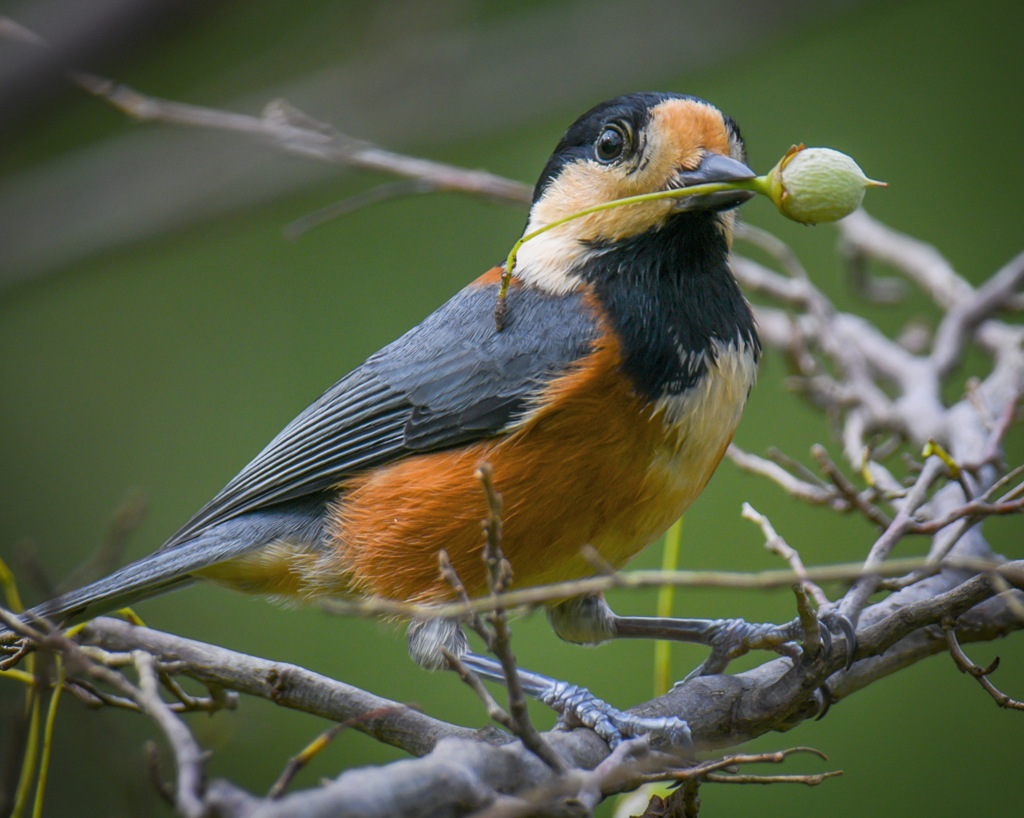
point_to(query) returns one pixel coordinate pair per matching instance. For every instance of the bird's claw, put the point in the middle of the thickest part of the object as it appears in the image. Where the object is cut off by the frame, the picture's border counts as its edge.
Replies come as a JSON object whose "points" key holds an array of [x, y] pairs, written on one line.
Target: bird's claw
{"points": [[578, 707], [834, 620], [731, 638]]}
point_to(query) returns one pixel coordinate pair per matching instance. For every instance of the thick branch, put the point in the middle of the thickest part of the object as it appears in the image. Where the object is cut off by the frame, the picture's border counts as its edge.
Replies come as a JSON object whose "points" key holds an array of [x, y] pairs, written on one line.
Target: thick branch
{"points": [[284, 684]]}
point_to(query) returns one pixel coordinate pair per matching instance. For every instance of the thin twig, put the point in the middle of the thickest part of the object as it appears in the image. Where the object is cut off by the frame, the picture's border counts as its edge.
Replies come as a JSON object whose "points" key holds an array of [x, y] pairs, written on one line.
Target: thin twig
{"points": [[964, 316], [499, 577], [777, 545], [965, 665], [809, 779], [299, 761], [189, 758], [735, 580], [802, 489], [854, 600], [847, 490], [449, 575], [495, 712], [375, 195]]}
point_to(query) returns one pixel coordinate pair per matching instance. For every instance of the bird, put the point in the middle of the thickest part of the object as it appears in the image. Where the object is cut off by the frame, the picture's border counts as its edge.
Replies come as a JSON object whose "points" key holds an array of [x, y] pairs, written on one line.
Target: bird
{"points": [[602, 405]]}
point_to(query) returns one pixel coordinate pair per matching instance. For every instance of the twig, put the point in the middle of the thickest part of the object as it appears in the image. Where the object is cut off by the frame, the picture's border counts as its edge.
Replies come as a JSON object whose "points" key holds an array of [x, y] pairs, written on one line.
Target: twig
{"points": [[375, 195], [189, 758], [920, 262], [735, 580], [689, 797], [284, 684], [707, 768], [965, 665], [299, 761], [499, 576], [974, 510], [802, 489], [449, 575], [777, 545], [855, 599], [809, 779], [156, 778], [965, 315], [847, 490], [495, 711], [294, 132], [774, 246], [992, 452]]}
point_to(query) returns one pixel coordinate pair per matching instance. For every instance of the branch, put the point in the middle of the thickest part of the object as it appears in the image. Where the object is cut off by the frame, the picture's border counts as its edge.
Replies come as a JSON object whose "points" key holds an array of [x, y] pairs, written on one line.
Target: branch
{"points": [[284, 684], [722, 710]]}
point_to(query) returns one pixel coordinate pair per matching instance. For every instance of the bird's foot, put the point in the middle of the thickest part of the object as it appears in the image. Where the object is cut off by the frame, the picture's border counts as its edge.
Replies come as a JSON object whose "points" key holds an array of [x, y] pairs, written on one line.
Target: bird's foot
{"points": [[578, 707], [731, 638]]}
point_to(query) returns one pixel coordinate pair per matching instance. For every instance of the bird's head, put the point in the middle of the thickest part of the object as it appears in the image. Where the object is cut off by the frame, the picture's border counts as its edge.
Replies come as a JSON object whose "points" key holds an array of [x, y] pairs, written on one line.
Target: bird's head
{"points": [[630, 145]]}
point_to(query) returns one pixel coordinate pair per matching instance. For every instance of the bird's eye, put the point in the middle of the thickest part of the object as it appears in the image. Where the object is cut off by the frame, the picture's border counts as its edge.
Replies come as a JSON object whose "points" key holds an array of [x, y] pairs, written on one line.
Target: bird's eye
{"points": [[612, 143]]}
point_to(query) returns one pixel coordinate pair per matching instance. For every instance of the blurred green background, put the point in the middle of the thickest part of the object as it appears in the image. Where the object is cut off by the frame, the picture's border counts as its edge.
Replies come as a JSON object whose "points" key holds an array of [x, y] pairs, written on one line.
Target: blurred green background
{"points": [[156, 329]]}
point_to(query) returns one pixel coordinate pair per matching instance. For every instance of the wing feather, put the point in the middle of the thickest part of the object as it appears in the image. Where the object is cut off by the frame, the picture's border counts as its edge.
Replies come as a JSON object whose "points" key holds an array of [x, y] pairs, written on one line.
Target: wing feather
{"points": [[450, 380]]}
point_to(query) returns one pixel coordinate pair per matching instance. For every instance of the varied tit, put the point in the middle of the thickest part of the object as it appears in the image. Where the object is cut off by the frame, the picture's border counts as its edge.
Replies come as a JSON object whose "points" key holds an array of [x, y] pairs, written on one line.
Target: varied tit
{"points": [[603, 404]]}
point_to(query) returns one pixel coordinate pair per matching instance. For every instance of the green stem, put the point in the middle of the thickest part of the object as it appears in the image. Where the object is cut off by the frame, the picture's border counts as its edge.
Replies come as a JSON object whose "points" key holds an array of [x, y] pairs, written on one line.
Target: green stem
{"points": [[759, 184], [44, 758], [28, 764], [662, 648]]}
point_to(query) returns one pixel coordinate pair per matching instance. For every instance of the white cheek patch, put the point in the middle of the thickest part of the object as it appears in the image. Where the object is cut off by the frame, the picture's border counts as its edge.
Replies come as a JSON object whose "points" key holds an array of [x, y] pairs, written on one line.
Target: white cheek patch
{"points": [[548, 261], [551, 260]]}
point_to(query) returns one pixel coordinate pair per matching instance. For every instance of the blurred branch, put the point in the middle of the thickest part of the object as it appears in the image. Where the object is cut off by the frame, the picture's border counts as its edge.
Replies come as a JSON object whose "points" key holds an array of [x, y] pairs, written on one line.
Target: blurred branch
{"points": [[289, 130]]}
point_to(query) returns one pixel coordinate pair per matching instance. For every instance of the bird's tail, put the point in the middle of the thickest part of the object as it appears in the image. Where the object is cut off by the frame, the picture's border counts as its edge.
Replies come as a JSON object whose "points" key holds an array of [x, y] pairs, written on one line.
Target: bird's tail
{"points": [[176, 564], [149, 576]]}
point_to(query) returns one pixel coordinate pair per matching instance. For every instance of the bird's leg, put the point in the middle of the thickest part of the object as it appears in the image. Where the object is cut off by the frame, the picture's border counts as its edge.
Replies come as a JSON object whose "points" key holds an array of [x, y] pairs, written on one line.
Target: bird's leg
{"points": [[576, 706], [589, 620]]}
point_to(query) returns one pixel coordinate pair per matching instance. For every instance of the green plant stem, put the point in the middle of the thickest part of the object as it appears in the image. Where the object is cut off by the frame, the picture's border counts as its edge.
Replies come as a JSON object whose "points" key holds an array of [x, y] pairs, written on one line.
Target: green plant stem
{"points": [[28, 764], [759, 184], [666, 594], [44, 757]]}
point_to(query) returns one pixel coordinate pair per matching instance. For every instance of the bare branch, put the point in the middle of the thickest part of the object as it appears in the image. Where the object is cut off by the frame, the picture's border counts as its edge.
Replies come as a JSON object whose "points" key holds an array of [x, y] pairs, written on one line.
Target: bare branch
{"points": [[499, 577], [813, 493], [919, 261], [964, 316], [965, 665], [288, 129], [188, 757], [284, 684]]}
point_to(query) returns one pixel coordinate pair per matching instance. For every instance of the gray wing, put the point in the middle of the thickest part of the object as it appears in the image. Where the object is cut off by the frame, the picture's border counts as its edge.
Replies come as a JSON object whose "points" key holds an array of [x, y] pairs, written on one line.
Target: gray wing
{"points": [[450, 380]]}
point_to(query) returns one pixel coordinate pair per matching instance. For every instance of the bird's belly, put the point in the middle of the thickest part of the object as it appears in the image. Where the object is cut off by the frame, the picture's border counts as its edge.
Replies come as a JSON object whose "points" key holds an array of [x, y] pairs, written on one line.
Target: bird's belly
{"points": [[599, 467]]}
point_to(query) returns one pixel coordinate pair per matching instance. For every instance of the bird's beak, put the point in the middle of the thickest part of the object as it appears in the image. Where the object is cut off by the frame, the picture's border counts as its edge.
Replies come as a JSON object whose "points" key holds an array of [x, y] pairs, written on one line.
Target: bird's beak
{"points": [[714, 167]]}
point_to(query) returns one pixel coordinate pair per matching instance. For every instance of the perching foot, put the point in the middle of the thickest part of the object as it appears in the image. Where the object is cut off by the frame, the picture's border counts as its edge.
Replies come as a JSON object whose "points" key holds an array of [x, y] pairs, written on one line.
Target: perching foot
{"points": [[578, 707]]}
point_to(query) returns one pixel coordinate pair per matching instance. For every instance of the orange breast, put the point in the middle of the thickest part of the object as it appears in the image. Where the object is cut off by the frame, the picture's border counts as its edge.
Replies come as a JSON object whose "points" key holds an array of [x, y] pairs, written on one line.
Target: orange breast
{"points": [[595, 465]]}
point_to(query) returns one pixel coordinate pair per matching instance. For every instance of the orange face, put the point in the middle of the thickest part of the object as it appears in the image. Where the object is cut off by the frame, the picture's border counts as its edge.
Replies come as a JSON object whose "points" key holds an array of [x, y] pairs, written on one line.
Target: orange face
{"points": [[677, 136]]}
